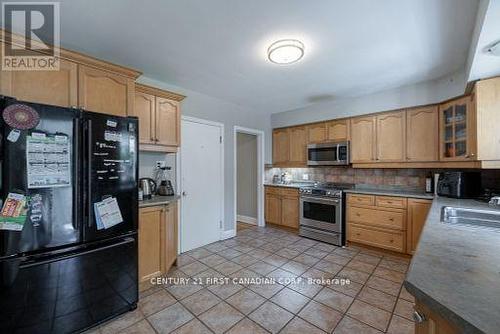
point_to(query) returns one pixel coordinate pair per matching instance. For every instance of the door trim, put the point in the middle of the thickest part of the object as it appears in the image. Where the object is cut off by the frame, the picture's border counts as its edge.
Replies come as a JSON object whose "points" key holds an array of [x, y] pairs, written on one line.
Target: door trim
{"points": [[222, 174], [260, 172]]}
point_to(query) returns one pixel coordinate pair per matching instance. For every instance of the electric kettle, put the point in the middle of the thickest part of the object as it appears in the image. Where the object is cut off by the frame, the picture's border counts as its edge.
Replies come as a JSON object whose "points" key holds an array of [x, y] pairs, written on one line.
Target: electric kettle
{"points": [[148, 187]]}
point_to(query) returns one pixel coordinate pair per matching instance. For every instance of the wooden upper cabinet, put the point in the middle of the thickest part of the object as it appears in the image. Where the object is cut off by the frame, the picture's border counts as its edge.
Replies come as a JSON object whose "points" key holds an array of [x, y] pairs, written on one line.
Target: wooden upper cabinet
{"points": [[363, 138], [281, 146], [316, 133], [416, 217], [338, 130], [105, 92], [391, 136], [59, 88], [167, 122], [144, 109], [298, 145], [457, 138], [422, 134]]}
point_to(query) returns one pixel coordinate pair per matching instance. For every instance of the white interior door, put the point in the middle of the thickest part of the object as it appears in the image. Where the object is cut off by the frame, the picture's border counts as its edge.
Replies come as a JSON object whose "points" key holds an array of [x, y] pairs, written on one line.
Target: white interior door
{"points": [[201, 184]]}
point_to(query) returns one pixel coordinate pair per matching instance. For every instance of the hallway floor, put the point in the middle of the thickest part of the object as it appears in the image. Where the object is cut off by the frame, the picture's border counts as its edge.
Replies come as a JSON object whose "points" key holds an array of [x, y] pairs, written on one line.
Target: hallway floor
{"points": [[211, 302]]}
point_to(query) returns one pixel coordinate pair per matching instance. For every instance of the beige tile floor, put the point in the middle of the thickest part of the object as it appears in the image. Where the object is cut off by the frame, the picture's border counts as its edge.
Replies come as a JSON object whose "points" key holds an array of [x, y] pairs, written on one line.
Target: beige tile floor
{"points": [[373, 302]]}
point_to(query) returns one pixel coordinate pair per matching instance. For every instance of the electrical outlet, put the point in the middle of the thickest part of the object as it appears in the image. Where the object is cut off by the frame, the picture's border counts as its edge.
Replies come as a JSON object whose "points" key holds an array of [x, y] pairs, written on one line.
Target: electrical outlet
{"points": [[161, 164], [305, 177]]}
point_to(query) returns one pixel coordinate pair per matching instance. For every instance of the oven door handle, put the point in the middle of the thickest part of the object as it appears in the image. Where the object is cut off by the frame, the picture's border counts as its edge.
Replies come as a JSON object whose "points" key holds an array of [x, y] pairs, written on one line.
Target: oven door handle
{"points": [[320, 200]]}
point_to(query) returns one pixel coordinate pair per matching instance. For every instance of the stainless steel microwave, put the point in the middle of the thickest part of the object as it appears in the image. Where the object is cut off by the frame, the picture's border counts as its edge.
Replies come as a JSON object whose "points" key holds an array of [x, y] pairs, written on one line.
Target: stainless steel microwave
{"points": [[328, 154]]}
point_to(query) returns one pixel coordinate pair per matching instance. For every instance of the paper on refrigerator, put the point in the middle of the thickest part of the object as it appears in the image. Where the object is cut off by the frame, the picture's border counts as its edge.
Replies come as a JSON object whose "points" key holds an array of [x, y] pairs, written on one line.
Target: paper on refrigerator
{"points": [[107, 213], [48, 161]]}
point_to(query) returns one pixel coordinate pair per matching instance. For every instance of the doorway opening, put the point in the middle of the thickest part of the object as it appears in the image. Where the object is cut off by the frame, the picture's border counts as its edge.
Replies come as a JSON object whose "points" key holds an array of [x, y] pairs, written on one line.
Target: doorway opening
{"points": [[248, 178]]}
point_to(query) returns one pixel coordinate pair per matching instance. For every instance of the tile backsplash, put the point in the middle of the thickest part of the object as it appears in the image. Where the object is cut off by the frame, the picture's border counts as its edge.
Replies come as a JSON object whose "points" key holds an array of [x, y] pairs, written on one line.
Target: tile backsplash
{"points": [[411, 178], [404, 178]]}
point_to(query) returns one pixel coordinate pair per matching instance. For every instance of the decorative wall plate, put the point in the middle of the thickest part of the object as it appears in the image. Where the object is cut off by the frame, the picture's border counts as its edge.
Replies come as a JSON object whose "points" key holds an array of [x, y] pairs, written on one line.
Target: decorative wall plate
{"points": [[21, 116]]}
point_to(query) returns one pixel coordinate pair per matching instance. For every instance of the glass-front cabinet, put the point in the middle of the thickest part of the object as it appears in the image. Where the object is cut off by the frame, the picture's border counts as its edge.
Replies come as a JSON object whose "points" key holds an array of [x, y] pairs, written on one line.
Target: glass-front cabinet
{"points": [[457, 130]]}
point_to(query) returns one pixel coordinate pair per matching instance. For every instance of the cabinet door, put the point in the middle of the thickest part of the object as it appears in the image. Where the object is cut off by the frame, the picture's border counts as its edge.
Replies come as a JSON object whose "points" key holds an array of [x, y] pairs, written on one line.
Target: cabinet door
{"points": [[151, 242], [298, 145], [171, 232], [290, 211], [273, 209], [457, 130], [338, 130], [58, 88], [105, 92], [316, 133], [168, 120], [417, 214], [363, 139], [422, 134], [391, 136], [144, 109], [281, 144]]}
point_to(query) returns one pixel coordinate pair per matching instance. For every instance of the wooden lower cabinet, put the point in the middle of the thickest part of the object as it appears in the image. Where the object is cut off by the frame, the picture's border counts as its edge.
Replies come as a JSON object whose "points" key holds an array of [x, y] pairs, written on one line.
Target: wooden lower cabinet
{"points": [[378, 221], [157, 241], [416, 216], [282, 206], [432, 323]]}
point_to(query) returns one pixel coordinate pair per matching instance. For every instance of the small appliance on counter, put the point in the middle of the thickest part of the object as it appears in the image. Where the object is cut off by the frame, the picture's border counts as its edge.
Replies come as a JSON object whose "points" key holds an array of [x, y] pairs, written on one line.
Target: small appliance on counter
{"points": [[457, 184], [165, 187], [148, 187]]}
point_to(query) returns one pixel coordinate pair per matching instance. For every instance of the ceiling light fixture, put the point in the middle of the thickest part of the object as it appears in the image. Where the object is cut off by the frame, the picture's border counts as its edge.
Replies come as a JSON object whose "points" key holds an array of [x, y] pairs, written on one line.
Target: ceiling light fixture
{"points": [[494, 49], [285, 51]]}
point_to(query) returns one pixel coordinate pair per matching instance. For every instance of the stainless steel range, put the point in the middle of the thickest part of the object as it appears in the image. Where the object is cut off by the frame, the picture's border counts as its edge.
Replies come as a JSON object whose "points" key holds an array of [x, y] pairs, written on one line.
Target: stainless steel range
{"points": [[322, 212]]}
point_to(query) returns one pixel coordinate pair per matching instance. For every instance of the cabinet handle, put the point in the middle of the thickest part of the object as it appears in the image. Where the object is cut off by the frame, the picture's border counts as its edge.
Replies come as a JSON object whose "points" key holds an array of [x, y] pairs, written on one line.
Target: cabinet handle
{"points": [[391, 241], [391, 219], [418, 317]]}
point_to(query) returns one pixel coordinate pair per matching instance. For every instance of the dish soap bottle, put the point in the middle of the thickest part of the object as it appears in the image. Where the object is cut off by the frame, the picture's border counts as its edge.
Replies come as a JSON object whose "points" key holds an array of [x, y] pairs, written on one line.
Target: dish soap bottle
{"points": [[429, 184]]}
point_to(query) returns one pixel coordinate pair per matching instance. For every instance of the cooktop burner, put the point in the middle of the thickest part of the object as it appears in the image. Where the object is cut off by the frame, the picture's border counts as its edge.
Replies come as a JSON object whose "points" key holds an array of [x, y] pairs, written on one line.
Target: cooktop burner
{"points": [[326, 189]]}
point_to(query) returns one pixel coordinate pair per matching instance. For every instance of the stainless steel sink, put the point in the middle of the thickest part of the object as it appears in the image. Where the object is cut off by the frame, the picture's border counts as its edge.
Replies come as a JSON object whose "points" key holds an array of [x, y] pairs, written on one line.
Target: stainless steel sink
{"points": [[471, 217]]}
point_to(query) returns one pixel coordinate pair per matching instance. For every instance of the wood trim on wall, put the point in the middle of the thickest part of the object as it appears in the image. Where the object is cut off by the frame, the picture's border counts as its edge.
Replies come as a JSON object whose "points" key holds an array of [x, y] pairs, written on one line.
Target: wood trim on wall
{"points": [[159, 92]]}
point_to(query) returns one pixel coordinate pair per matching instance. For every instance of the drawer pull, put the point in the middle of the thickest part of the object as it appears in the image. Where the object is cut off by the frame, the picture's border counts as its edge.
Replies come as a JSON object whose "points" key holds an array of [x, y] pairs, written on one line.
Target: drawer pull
{"points": [[357, 214], [389, 202], [391, 241], [391, 219]]}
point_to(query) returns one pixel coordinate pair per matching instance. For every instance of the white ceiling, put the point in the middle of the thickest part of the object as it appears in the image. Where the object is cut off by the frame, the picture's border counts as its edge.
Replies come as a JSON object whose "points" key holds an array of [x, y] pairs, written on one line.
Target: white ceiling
{"points": [[218, 47], [485, 65]]}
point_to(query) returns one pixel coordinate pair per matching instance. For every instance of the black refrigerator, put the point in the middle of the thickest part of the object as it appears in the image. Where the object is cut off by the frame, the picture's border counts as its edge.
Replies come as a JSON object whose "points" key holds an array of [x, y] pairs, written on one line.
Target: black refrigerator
{"points": [[68, 225]]}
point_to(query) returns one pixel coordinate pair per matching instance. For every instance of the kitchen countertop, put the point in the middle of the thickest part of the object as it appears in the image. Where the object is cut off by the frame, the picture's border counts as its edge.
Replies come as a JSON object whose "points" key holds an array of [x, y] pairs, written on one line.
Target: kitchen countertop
{"points": [[398, 192], [390, 192], [158, 200], [456, 270]]}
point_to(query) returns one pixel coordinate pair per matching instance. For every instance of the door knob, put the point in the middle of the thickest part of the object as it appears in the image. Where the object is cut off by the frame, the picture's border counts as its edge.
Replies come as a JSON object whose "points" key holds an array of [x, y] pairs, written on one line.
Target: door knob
{"points": [[184, 193]]}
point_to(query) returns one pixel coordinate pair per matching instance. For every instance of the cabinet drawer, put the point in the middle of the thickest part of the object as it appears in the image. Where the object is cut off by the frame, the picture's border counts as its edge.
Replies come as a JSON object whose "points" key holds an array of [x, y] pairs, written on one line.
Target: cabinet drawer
{"points": [[384, 239], [391, 202], [290, 192], [361, 199], [273, 190], [376, 218]]}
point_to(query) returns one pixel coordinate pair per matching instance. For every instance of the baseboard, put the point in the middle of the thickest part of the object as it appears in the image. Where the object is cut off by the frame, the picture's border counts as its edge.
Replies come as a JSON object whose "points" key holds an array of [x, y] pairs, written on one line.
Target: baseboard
{"points": [[227, 234], [246, 219]]}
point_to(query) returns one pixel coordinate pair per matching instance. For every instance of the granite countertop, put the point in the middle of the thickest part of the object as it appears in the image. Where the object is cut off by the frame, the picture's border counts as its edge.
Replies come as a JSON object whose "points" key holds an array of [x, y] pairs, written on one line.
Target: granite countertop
{"points": [[158, 200], [364, 189], [456, 270]]}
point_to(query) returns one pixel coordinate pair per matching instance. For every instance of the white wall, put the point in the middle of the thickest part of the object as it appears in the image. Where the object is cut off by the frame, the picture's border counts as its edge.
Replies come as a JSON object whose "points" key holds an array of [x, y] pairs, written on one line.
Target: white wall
{"points": [[147, 164], [213, 109], [246, 175], [403, 97]]}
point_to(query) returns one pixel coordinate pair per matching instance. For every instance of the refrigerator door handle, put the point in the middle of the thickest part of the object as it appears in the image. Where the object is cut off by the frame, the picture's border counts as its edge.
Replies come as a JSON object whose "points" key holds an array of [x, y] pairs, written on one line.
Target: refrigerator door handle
{"points": [[125, 241], [76, 173], [88, 171]]}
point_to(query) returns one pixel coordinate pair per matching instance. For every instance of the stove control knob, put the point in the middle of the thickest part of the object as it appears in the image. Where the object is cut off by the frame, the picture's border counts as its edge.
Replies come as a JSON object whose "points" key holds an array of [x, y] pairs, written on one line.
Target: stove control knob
{"points": [[328, 193]]}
